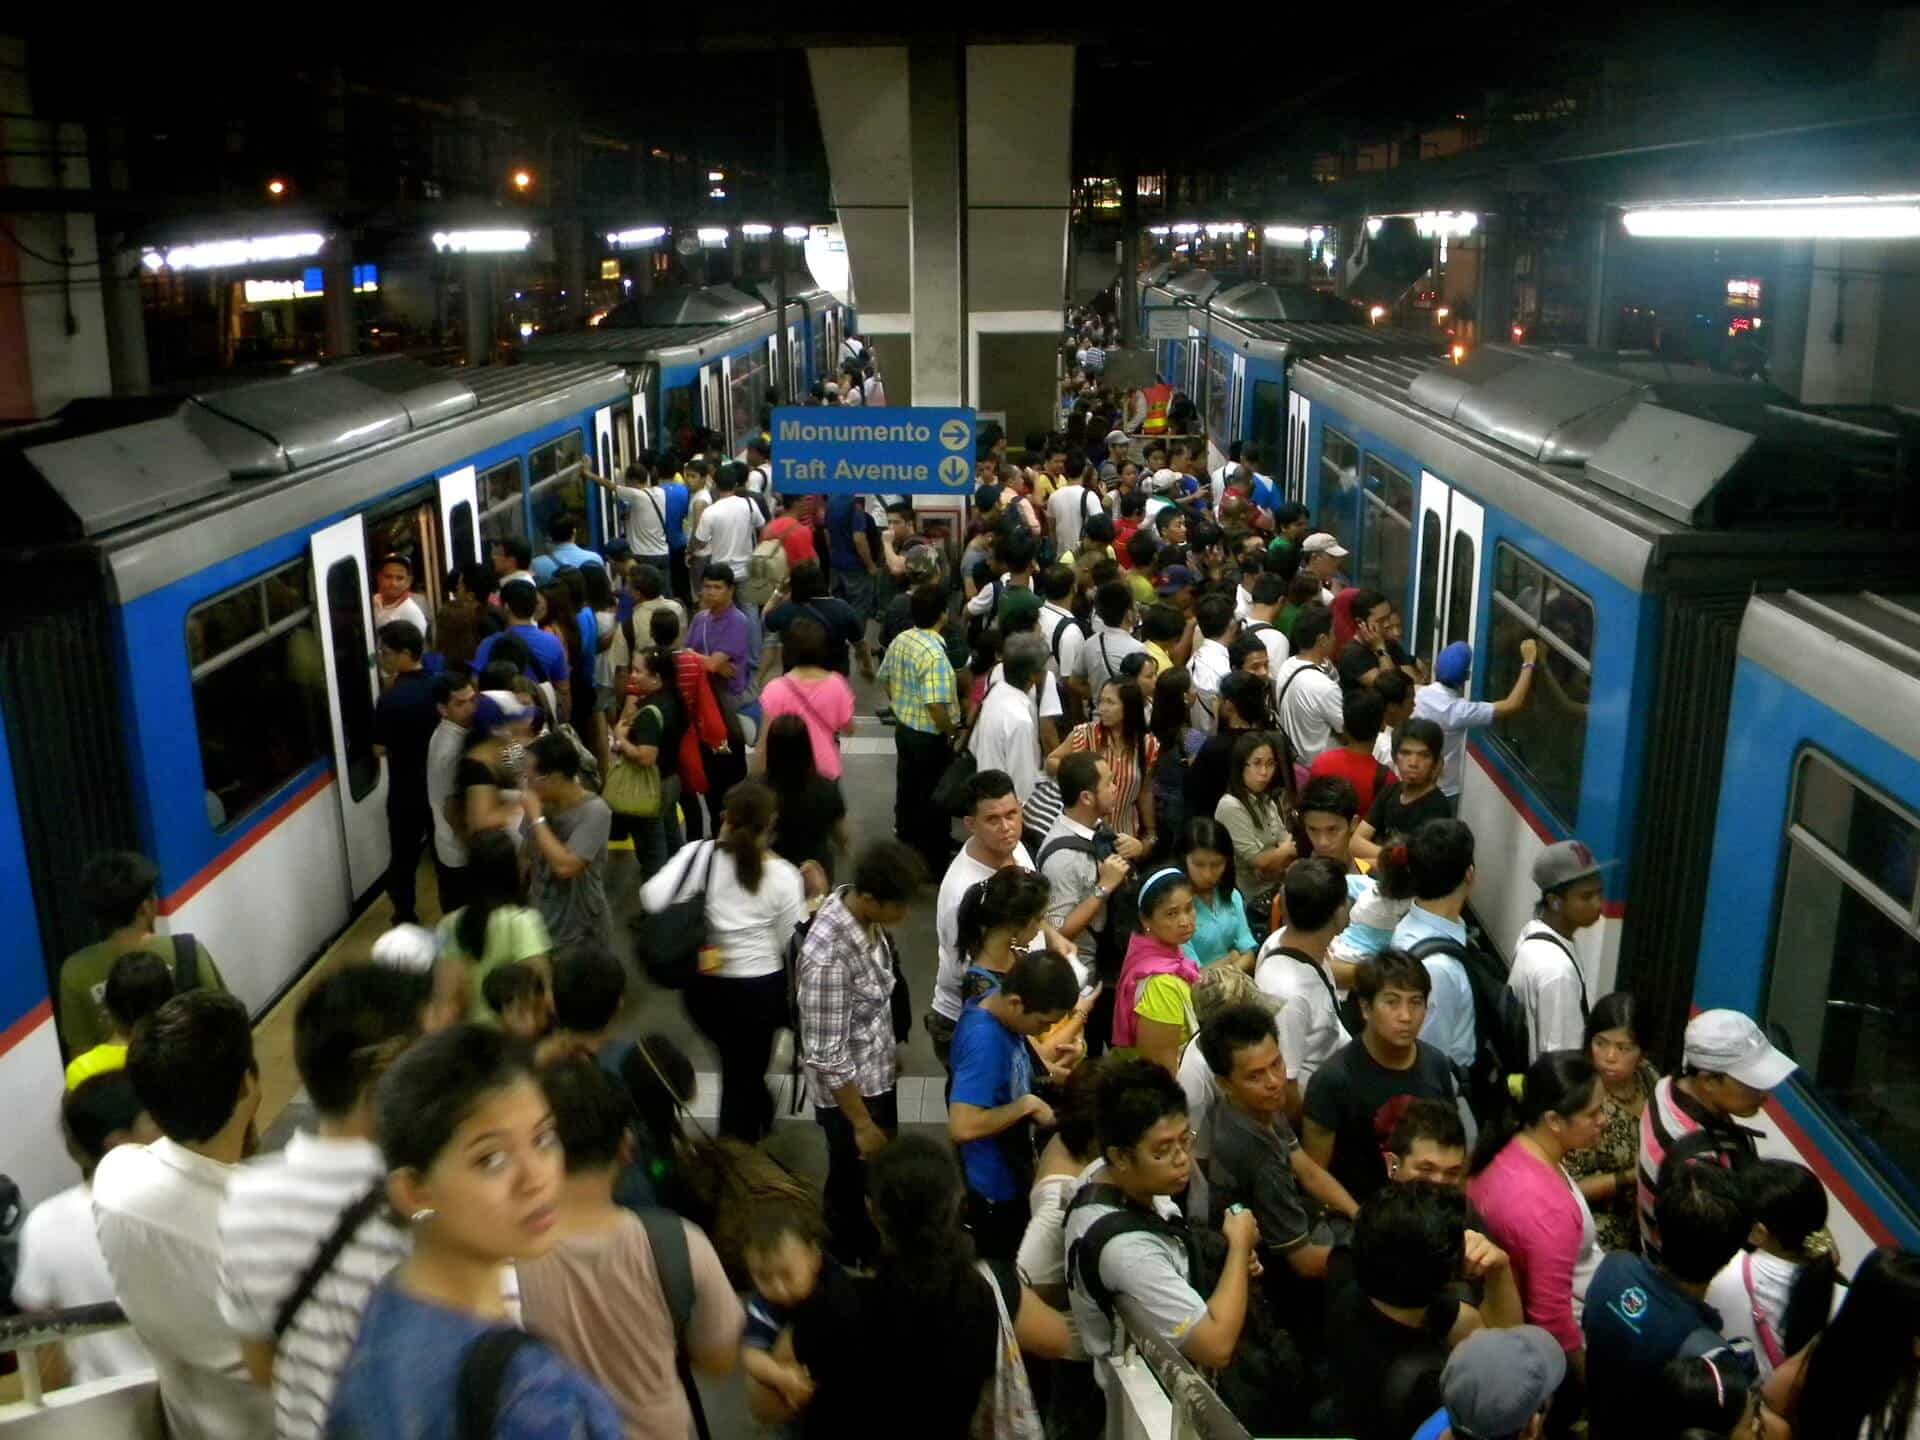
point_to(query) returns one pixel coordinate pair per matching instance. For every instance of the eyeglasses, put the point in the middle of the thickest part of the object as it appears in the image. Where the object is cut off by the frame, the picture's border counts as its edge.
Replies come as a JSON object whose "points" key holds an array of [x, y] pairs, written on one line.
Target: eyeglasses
{"points": [[1179, 1145]]}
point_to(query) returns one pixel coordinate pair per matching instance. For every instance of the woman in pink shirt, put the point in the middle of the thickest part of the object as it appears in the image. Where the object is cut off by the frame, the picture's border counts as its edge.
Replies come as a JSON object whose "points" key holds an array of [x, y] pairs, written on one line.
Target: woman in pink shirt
{"points": [[820, 697], [1532, 1208]]}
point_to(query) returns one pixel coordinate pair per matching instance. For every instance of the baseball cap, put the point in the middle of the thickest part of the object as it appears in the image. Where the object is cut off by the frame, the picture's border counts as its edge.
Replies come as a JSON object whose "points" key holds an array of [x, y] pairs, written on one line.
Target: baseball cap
{"points": [[1116, 437], [922, 562], [1563, 864], [1017, 607], [1729, 1043], [1497, 1380], [1321, 543], [1166, 480], [411, 949], [1453, 663], [1175, 579]]}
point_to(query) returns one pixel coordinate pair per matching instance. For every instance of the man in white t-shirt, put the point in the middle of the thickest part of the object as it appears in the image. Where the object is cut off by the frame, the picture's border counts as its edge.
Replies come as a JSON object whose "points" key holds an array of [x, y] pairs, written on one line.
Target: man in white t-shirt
{"points": [[1006, 732], [1068, 509], [728, 527], [646, 511], [1292, 969], [454, 695], [1210, 662], [1269, 593], [60, 1261], [281, 1208], [1545, 976], [393, 597], [1306, 689]]}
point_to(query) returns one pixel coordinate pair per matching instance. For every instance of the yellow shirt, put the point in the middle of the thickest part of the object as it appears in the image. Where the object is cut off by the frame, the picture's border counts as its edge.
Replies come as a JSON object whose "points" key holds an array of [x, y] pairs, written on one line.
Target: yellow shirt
{"points": [[1160, 657], [98, 1061]]}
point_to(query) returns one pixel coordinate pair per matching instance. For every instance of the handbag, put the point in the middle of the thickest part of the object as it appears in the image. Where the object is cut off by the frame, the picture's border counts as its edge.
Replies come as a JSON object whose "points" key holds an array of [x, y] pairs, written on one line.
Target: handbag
{"points": [[1006, 1409], [670, 940], [634, 790]]}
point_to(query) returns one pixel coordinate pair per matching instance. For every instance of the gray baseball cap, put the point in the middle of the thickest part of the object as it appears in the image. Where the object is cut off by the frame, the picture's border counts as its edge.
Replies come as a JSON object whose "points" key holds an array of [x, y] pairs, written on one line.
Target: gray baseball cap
{"points": [[1564, 863], [1498, 1380]]}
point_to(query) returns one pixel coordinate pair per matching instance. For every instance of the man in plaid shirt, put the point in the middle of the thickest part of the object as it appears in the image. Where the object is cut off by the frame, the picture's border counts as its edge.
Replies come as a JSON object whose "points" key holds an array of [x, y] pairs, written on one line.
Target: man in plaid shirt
{"points": [[926, 704], [845, 987]]}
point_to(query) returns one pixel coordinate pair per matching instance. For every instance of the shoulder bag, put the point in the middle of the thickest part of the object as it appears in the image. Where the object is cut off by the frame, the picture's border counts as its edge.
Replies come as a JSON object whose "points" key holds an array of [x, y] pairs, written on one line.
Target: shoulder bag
{"points": [[669, 941]]}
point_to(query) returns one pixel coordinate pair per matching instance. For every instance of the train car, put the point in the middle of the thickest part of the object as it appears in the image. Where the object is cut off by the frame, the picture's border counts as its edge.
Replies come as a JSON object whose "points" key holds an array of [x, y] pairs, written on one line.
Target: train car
{"points": [[189, 668], [1619, 511], [1813, 906]]}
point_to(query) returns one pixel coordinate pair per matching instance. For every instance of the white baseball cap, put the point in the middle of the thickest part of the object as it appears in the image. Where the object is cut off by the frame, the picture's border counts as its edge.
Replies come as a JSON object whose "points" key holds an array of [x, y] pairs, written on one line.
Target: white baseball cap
{"points": [[1321, 543], [408, 948], [1166, 480], [1729, 1043]]}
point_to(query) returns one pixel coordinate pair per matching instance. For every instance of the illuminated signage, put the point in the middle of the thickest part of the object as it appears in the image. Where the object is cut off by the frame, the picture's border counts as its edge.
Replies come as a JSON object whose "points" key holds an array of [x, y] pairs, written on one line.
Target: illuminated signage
{"points": [[310, 286], [1743, 292]]}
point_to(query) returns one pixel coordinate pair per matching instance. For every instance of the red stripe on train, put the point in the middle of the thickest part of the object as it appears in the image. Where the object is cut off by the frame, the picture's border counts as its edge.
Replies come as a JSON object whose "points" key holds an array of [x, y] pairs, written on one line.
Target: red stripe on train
{"points": [[253, 837], [1848, 1197], [25, 1025], [1613, 909]]}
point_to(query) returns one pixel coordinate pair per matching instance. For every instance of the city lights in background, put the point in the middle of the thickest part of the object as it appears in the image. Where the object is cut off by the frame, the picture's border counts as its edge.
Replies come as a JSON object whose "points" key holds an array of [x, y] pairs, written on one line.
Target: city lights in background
{"points": [[1823, 217], [1445, 224], [482, 242], [522, 179], [227, 254], [632, 239], [1376, 313], [1459, 353], [1287, 234], [756, 231], [276, 188], [711, 235], [718, 192], [1225, 227], [714, 177], [795, 232]]}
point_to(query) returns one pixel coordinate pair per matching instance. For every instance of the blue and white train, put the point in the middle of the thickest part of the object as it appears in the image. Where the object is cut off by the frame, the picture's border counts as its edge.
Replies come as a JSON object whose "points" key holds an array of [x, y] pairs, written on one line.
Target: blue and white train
{"points": [[1623, 513]]}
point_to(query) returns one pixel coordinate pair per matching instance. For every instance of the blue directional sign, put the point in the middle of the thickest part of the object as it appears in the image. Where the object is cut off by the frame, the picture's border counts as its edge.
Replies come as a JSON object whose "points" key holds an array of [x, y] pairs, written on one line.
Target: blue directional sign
{"points": [[861, 450]]}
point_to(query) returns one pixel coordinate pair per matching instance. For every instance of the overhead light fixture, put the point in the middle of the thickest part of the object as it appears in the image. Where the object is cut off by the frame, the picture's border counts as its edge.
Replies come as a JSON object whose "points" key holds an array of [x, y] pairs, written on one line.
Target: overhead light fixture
{"points": [[711, 235], [1159, 230], [756, 231], [1189, 228], [521, 179], [526, 330], [1377, 313], [227, 254], [276, 188], [645, 235], [482, 242], [1374, 222], [1316, 235], [1287, 235], [1225, 227], [1825, 217], [716, 176], [795, 232], [1445, 224]]}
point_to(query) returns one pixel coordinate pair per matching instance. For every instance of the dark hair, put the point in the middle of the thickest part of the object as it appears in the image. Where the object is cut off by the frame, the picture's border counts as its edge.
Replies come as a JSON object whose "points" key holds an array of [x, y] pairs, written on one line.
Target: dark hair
{"points": [[718, 572], [350, 1027], [1315, 889], [1407, 1242], [1864, 1372], [1364, 602], [988, 785], [1313, 621], [401, 636], [890, 872], [591, 1113], [1393, 687], [553, 754], [599, 587], [1560, 1082], [516, 548], [772, 1217], [1251, 698], [790, 768], [1245, 748], [1423, 731], [1171, 712], [1162, 623], [1133, 715], [1157, 886], [1111, 602], [1079, 775], [560, 527], [663, 628], [1330, 795], [1788, 1198], [1098, 528], [1435, 1121], [750, 807], [1613, 1011], [1362, 713], [915, 1193], [648, 580], [1077, 1109], [589, 982], [568, 577], [114, 884], [479, 578], [660, 1080], [97, 1109], [1269, 589], [1440, 853], [449, 683], [435, 1085], [1390, 969], [1042, 981], [505, 986], [1393, 868], [189, 1061], [139, 983], [1702, 1218], [1203, 832], [1214, 615], [560, 610], [493, 880], [1710, 1391], [927, 605], [1132, 1097], [521, 598], [1244, 647], [1230, 1030], [1006, 897], [807, 582]]}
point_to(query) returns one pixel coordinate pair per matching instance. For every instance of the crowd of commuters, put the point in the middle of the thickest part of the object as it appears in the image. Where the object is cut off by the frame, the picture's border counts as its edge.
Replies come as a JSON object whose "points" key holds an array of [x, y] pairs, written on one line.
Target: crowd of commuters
{"points": [[1225, 1055]]}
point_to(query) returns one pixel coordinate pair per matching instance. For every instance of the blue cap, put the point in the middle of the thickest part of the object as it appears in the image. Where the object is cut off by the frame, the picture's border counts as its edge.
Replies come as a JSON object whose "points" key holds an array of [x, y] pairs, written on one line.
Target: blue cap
{"points": [[1454, 663]]}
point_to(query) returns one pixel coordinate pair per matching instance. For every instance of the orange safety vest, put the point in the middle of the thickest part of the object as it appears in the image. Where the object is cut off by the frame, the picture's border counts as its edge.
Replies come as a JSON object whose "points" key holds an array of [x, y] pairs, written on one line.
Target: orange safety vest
{"points": [[1158, 398]]}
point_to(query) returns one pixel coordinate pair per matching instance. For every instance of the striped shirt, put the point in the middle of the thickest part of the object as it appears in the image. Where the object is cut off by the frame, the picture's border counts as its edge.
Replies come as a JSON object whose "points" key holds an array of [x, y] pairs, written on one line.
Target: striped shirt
{"points": [[917, 675], [279, 1210], [1671, 1115]]}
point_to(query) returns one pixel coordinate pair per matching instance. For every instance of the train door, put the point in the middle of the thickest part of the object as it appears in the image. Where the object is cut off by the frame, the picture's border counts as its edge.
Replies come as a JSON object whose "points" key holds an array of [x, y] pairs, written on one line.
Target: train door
{"points": [[460, 516], [713, 400], [1299, 420], [1236, 408], [1447, 599], [340, 580], [606, 460]]}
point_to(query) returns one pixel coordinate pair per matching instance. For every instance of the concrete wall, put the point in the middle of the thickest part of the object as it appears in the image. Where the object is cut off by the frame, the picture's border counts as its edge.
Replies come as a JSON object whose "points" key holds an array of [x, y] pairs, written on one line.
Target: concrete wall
{"points": [[1848, 312]]}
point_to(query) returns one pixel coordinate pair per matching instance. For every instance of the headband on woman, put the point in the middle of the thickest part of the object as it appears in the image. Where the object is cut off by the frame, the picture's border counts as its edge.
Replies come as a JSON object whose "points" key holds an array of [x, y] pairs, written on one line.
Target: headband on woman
{"points": [[1719, 1390], [1146, 886]]}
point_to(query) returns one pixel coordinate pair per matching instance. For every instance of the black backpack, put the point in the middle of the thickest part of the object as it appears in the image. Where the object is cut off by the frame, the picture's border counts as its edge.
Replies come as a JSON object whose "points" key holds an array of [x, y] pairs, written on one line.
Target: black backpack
{"points": [[1122, 910], [186, 964], [1501, 1041]]}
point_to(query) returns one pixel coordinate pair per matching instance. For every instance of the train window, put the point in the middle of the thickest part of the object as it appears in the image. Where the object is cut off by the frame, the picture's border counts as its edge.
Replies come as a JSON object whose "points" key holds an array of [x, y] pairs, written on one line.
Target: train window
{"points": [[679, 415], [559, 483], [409, 527], [1547, 738], [1846, 947], [746, 393], [1269, 437], [463, 534], [347, 635], [501, 513], [1339, 507], [1429, 604], [1386, 540], [259, 690], [1217, 396], [1460, 587]]}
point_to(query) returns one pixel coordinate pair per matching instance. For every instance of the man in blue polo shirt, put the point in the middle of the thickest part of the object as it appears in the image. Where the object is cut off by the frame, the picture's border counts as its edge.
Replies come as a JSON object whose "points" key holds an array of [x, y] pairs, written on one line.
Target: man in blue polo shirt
{"points": [[1640, 1315], [992, 1109], [561, 550], [547, 656]]}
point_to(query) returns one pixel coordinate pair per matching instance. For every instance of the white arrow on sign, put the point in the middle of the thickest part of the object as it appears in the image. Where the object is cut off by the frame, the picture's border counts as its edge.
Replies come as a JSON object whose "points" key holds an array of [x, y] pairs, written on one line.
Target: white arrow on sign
{"points": [[954, 471], [956, 435]]}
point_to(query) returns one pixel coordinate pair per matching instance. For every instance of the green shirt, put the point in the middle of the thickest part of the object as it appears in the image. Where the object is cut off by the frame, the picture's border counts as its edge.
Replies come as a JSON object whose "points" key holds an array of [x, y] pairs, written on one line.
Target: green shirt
{"points": [[514, 933], [83, 987]]}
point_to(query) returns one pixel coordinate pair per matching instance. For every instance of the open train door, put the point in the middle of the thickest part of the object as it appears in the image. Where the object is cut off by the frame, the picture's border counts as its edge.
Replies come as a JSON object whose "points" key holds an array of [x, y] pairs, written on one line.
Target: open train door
{"points": [[340, 582], [1446, 604], [460, 516], [606, 461]]}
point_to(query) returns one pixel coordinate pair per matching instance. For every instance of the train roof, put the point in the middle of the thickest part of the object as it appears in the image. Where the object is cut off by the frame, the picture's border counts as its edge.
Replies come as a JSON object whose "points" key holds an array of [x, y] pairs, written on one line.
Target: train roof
{"points": [[1857, 653], [267, 455], [678, 326]]}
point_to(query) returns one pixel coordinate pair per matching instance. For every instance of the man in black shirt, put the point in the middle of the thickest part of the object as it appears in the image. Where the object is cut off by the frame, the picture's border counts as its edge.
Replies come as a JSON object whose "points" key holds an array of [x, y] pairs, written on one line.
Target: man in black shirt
{"points": [[1415, 798], [1387, 1060], [805, 597], [404, 719]]}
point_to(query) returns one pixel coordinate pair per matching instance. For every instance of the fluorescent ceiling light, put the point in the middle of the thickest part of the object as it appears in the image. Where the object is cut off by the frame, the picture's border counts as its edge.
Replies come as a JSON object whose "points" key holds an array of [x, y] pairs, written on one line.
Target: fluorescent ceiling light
{"points": [[1286, 235], [1159, 229], [1187, 229], [1447, 224], [1226, 227], [795, 232], [755, 230], [1826, 217], [645, 235], [225, 254], [711, 235], [482, 242]]}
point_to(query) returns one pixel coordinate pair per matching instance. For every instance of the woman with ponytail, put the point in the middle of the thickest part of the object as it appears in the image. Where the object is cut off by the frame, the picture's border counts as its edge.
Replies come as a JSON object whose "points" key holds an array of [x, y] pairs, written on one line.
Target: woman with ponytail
{"points": [[1861, 1377], [739, 998], [999, 918], [1532, 1208], [1780, 1294]]}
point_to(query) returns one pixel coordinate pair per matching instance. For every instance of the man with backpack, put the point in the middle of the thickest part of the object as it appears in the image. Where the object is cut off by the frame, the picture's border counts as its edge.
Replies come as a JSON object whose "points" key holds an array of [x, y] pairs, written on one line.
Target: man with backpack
{"points": [[121, 889], [1440, 856], [1546, 977], [1083, 862]]}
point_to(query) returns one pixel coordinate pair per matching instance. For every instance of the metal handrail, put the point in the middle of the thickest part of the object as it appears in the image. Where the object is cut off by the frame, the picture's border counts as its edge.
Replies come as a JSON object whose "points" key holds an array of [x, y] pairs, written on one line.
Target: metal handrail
{"points": [[28, 1332], [1198, 1410]]}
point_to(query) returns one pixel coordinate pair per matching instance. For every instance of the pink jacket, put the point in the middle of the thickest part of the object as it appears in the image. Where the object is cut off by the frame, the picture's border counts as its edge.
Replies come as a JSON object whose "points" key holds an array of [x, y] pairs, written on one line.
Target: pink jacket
{"points": [[1146, 957]]}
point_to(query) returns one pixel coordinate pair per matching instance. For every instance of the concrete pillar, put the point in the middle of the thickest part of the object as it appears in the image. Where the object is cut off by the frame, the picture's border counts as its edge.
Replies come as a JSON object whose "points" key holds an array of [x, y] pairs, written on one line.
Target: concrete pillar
{"points": [[1602, 251], [570, 241], [477, 283], [1862, 308], [1494, 312], [936, 148], [338, 277], [125, 315]]}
